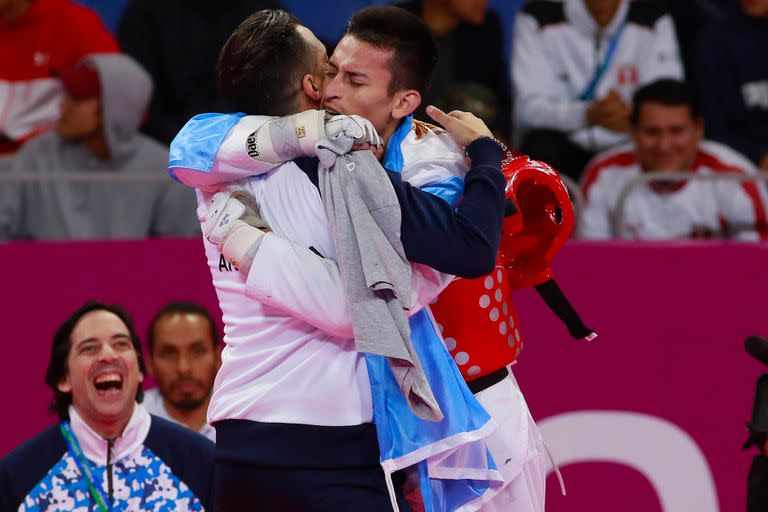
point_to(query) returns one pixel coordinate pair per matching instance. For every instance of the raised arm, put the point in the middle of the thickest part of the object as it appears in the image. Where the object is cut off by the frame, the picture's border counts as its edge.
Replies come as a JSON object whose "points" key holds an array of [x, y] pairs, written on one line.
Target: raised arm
{"points": [[214, 149]]}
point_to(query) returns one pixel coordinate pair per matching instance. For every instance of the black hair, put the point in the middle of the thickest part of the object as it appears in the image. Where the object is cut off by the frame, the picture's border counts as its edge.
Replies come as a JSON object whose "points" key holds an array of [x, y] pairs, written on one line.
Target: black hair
{"points": [[262, 63], [669, 92], [62, 344], [395, 29], [182, 307]]}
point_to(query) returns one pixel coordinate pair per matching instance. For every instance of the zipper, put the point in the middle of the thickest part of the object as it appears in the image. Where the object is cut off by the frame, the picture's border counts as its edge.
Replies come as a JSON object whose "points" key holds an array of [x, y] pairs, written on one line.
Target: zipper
{"points": [[110, 444]]}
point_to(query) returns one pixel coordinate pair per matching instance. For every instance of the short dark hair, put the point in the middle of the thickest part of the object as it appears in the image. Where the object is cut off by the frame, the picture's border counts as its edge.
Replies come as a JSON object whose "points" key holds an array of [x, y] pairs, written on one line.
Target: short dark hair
{"points": [[62, 344], [667, 91], [261, 65], [395, 29], [182, 307]]}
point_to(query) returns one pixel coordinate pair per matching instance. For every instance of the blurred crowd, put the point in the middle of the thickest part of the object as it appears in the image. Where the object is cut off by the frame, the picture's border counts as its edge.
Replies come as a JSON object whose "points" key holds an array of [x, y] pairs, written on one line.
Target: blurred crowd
{"points": [[653, 111]]}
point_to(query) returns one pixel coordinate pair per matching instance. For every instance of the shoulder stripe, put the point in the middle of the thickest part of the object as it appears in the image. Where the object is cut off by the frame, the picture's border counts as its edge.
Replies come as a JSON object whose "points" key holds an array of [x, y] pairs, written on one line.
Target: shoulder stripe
{"points": [[750, 187], [545, 12], [622, 159]]}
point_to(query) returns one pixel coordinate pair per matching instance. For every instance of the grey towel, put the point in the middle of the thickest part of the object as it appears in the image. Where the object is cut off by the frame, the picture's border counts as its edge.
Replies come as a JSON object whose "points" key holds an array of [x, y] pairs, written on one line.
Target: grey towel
{"points": [[365, 217]]}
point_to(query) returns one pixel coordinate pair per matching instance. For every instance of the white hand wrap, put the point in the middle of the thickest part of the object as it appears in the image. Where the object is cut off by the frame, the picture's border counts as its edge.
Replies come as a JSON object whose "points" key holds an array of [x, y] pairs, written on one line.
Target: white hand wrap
{"points": [[281, 139], [240, 245], [232, 224], [354, 127]]}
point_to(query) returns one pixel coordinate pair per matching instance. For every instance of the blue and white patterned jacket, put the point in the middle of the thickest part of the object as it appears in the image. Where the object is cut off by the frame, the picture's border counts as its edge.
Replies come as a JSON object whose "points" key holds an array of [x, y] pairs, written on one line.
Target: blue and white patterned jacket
{"points": [[155, 465]]}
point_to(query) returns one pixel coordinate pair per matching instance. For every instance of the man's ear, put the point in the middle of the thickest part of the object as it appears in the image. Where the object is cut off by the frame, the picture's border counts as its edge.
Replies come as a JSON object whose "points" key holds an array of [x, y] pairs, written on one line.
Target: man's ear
{"points": [[406, 102], [64, 385], [311, 87]]}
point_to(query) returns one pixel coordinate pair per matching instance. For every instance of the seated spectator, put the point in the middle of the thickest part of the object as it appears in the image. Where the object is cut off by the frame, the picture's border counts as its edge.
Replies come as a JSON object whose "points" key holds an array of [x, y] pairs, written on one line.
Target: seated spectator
{"points": [[38, 38], [667, 132], [178, 42], [471, 47], [183, 359], [107, 452], [732, 69], [575, 66], [106, 96]]}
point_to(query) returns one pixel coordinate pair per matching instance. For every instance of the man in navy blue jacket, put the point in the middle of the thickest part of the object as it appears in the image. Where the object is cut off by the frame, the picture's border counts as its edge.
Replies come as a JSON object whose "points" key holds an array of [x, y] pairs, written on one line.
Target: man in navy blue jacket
{"points": [[732, 75], [107, 452]]}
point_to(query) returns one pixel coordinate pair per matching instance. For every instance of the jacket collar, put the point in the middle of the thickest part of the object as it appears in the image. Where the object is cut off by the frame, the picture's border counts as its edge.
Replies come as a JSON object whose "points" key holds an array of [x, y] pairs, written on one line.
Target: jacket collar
{"points": [[577, 14], [95, 447]]}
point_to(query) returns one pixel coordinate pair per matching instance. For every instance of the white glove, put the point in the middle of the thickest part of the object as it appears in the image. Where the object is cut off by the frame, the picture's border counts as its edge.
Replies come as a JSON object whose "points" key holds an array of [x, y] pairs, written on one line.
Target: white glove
{"points": [[233, 224], [354, 127], [281, 139]]}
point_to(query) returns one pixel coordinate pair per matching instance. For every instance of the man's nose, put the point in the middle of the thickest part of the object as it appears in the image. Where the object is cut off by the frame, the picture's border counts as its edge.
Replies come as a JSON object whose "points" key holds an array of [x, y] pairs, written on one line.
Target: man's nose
{"points": [[184, 366], [665, 143], [107, 353], [331, 88]]}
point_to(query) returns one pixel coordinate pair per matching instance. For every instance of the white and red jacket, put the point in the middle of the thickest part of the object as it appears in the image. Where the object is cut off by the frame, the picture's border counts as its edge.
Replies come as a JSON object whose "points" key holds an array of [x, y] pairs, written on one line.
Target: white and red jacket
{"points": [[51, 35], [557, 48], [691, 209]]}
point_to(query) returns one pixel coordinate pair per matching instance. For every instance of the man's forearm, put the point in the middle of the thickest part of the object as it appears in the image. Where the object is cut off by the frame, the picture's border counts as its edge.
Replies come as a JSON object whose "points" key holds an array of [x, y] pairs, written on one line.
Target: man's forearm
{"points": [[463, 241], [308, 286]]}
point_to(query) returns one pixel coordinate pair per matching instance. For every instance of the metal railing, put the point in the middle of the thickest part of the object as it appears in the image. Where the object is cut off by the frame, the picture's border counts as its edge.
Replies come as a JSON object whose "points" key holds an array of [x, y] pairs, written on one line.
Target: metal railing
{"points": [[107, 177], [96, 176], [619, 213]]}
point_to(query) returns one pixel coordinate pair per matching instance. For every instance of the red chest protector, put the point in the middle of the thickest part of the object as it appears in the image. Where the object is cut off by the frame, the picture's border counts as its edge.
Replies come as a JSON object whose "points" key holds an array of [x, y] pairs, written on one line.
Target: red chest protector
{"points": [[479, 323], [477, 316]]}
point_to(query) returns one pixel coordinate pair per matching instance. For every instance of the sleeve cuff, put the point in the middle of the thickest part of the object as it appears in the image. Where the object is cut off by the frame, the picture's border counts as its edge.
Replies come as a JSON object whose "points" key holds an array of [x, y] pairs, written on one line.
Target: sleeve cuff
{"points": [[485, 151]]}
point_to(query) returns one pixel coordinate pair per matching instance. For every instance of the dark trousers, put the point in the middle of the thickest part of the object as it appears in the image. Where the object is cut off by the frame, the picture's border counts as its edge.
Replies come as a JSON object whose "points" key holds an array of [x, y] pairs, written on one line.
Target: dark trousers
{"points": [[300, 468], [554, 148], [247, 488], [757, 485]]}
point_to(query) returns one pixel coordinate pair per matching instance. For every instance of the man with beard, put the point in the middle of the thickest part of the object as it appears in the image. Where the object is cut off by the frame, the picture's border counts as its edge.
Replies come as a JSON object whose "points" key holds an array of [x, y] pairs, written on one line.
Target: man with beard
{"points": [[183, 358]]}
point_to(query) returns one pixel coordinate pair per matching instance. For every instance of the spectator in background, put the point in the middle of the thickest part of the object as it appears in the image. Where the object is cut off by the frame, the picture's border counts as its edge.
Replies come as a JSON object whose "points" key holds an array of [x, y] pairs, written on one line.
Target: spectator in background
{"points": [[107, 452], [667, 130], [106, 96], [183, 359], [475, 98], [38, 38], [178, 42], [576, 64], [732, 68], [471, 54]]}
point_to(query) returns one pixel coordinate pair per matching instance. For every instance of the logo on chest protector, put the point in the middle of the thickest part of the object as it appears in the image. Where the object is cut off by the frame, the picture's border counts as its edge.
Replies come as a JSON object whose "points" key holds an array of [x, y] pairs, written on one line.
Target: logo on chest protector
{"points": [[251, 146]]}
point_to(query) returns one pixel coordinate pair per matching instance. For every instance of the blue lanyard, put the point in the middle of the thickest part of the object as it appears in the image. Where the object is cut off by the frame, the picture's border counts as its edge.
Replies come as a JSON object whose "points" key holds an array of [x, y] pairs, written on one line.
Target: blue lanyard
{"points": [[84, 466], [589, 92]]}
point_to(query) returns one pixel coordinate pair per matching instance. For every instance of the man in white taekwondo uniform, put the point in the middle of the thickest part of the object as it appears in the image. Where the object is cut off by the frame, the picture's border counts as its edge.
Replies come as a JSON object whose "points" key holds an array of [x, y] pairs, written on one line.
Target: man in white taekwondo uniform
{"points": [[267, 380], [667, 137]]}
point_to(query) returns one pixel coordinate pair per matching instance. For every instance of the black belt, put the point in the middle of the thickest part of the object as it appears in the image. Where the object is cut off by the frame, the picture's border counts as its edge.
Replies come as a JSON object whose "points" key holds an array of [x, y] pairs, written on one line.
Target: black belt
{"points": [[486, 381]]}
